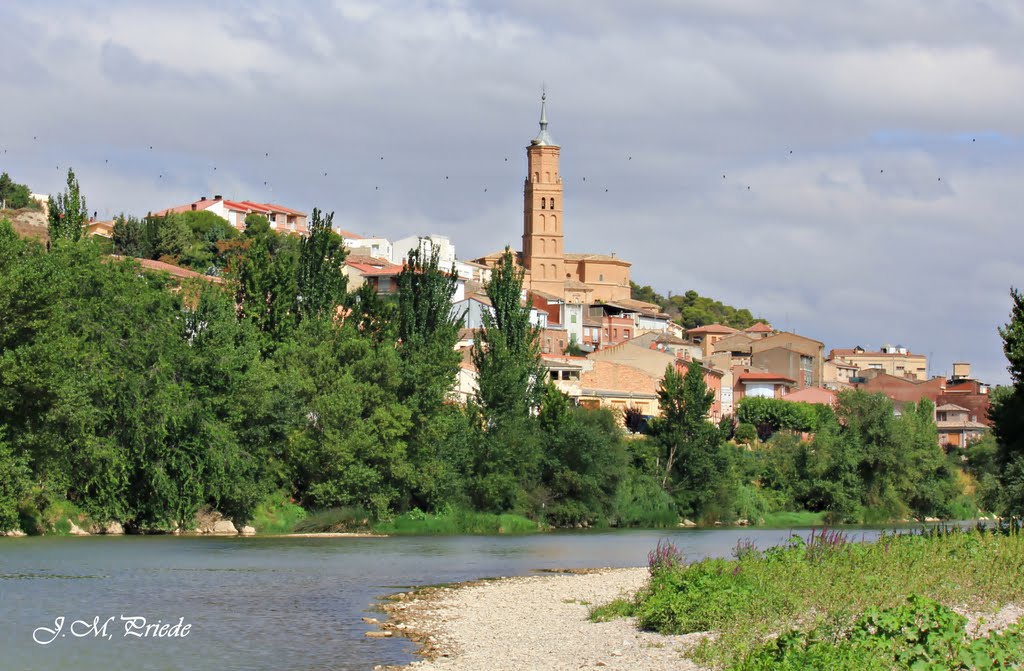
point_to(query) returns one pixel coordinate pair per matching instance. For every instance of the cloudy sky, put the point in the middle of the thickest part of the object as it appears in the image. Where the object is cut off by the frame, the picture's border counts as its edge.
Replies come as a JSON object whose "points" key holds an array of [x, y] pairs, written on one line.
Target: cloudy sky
{"points": [[853, 173]]}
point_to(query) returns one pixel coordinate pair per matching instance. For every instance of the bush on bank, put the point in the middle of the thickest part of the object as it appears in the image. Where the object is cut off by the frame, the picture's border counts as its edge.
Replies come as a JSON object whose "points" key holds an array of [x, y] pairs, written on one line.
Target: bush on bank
{"points": [[827, 579]]}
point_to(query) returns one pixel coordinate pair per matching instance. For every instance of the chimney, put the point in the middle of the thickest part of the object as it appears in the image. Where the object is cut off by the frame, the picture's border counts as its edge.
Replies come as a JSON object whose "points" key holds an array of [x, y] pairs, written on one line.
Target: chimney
{"points": [[218, 197], [193, 207], [202, 197]]}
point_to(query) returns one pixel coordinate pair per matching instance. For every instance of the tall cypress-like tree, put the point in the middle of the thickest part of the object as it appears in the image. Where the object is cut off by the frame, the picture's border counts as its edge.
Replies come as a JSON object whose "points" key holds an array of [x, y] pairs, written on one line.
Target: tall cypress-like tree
{"points": [[507, 352], [321, 284], [1007, 412], [68, 212]]}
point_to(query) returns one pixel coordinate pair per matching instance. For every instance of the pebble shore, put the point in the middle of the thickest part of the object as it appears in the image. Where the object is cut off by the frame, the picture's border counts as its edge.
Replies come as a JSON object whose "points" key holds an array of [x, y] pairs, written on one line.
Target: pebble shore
{"points": [[536, 622]]}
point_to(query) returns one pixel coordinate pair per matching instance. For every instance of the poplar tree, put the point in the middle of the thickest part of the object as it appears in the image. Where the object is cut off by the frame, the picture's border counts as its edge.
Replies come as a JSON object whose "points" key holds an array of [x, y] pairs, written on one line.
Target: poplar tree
{"points": [[68, 213], [507, 352], [321, 284]]}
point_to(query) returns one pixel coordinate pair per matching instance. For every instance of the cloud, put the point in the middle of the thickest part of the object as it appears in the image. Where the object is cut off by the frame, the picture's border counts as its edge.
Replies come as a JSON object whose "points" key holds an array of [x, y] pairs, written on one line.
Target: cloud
{"points": [[871, 150]]}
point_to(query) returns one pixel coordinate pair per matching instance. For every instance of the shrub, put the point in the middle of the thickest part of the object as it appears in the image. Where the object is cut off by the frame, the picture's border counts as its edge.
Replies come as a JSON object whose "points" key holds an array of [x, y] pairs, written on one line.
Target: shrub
{"points": [[746, 434], [664, 557]]}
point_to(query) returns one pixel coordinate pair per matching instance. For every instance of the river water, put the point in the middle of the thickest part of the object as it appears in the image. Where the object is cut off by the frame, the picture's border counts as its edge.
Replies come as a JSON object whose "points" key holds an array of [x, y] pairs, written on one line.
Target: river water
{"points": [[272, 602]]}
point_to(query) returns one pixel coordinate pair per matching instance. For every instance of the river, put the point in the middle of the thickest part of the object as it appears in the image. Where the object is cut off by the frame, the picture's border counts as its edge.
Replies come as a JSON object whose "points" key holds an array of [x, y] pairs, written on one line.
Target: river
{"points": [[270, 602]]}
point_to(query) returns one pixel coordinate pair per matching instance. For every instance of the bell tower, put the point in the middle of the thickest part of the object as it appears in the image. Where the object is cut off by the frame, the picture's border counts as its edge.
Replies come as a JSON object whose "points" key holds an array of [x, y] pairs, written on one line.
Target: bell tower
{"points": [[543, 253]]}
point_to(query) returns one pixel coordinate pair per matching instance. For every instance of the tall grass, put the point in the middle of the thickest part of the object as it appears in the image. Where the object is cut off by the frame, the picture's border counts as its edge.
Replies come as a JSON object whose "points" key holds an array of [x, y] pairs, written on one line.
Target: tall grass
{"points": [[277, 515], [799, 518], [334, 520], [826, 576]]}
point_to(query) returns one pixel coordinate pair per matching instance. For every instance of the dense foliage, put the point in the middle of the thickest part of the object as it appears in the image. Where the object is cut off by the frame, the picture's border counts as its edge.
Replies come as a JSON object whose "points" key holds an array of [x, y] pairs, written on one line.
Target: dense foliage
{"points": [[1007, 413], [199, 240], [130, 396], [691, 310], [14, 196]]}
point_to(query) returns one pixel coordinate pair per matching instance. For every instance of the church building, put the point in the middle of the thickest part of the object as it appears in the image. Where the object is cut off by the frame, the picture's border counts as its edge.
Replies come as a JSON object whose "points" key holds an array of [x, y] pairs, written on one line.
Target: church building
{"points": [[574, 278]]}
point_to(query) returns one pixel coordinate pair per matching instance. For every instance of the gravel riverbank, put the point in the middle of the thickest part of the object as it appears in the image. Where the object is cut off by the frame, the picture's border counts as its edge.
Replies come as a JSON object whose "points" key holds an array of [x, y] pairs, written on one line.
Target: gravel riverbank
{"points": [[536, 622]]}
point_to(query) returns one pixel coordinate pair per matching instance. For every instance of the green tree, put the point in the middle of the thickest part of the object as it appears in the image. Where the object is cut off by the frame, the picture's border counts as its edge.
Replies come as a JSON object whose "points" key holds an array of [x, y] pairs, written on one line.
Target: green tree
{"points": [[427, 331], [130, 237], [320, 283], [15, 196], [68, 212], [267, 281], [693, 467], [14, 485], [584, 462], [1007, 412], [507, 352]]}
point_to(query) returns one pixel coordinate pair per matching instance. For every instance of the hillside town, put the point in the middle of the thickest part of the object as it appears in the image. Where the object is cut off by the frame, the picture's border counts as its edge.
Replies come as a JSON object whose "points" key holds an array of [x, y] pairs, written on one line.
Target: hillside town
{"points": [[601, 346]]}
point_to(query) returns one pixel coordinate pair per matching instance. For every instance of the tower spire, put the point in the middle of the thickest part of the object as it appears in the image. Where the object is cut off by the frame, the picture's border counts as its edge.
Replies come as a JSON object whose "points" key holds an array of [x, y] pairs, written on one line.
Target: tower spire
{"points": [[543, 137]]}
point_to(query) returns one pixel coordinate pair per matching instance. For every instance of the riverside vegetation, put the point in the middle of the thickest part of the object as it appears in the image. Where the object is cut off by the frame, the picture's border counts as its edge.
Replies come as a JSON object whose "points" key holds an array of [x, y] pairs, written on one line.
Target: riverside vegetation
{"points": [[838, 604], [277, 395]]}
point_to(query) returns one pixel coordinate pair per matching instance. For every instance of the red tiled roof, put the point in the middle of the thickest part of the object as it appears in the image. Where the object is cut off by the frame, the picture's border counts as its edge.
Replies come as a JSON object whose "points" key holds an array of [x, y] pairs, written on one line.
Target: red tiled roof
{"points": [[764, 377], [349, 235], [199, 205], [713, 328], [176, 271], [759, 327], [256, 207], [283, 209], [812, 395], [384, 271]]}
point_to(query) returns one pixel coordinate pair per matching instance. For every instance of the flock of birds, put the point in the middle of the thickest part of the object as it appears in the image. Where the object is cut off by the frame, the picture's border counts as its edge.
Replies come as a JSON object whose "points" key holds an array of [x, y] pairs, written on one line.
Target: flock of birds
{"points": [[268, 183]]}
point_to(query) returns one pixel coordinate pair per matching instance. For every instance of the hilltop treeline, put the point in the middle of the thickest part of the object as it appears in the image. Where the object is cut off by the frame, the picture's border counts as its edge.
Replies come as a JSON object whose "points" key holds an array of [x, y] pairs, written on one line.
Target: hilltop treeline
{"points": [[692, 310]]}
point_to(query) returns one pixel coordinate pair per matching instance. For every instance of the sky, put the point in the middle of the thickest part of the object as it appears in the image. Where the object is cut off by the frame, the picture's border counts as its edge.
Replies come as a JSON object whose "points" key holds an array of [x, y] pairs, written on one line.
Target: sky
{"points": [[851, 171]]}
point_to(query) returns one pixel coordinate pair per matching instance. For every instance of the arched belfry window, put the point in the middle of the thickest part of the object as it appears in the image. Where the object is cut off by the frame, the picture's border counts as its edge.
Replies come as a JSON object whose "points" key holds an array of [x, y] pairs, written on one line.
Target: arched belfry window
{"points": [[552, 203], [543, 203], [536, 176]]}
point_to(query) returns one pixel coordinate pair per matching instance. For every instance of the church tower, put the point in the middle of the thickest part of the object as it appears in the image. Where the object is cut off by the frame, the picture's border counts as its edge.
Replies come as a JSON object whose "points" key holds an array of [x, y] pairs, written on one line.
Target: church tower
{"points": [[543, 253]]}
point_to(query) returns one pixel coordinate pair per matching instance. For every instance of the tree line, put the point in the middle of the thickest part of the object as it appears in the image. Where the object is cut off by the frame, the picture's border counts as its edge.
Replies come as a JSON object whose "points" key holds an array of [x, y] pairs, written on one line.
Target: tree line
{"points": [[135, 398]]}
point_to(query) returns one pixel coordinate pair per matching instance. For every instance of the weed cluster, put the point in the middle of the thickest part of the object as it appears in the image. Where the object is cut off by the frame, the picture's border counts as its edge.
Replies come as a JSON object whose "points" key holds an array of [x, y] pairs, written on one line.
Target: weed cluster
{"points": [[922, 635]]}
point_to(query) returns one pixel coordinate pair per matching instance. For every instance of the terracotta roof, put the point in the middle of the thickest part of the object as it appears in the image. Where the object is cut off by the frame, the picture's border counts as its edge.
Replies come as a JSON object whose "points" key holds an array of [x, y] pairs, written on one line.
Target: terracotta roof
{"points": [[384, 271], [199, 205], [951, 406], [173, 270], [546, 296], [282, 208], [713, 328], [839, 363], [596, 257], [812, 395], [349, 235], [670, 339], [759, 327], [764, 377]]}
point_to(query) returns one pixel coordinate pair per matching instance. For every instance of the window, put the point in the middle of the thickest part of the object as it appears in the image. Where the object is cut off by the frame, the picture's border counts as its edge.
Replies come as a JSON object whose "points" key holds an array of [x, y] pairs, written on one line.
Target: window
{"points": [[600, 278], [543, 203], [625, 334], [572, 319], [554, 375], [552, 203]]}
